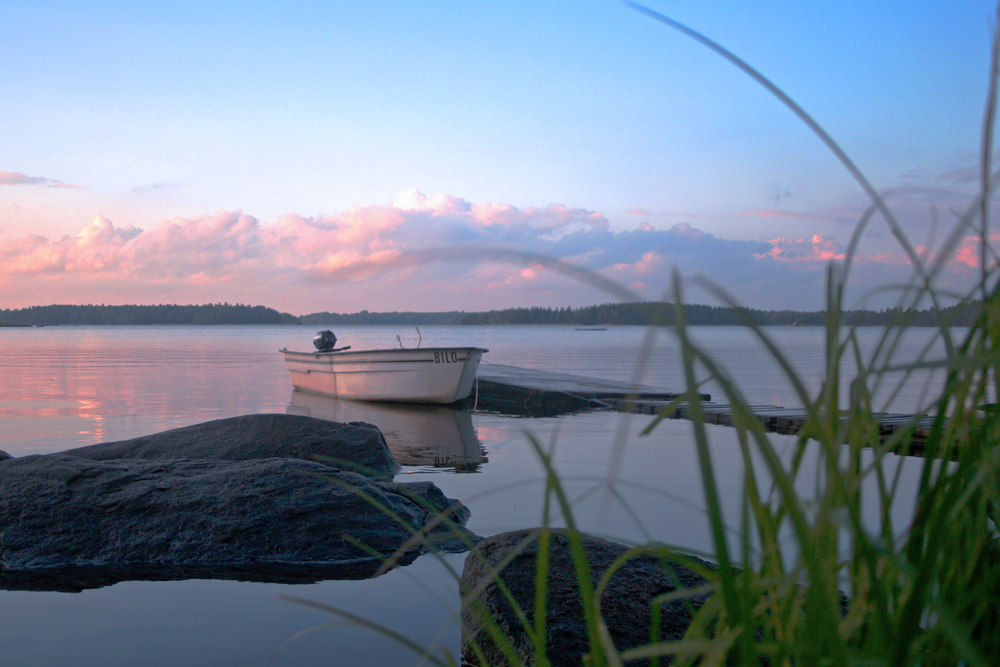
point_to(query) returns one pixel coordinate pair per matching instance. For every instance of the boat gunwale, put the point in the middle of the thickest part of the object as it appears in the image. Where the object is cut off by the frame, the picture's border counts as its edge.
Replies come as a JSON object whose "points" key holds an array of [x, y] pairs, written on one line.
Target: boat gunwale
{"points": [[346, 353]]}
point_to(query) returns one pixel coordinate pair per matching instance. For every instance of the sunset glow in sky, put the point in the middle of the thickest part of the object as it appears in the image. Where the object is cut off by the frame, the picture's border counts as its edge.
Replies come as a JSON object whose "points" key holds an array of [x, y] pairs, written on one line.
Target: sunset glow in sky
{"points": [[296, 155]]}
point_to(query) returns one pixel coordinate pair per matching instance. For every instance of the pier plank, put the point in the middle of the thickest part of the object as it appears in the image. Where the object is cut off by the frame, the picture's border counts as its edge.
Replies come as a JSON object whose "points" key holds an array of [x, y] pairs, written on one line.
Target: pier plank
{"points": [[533, 392], [775, 418]]}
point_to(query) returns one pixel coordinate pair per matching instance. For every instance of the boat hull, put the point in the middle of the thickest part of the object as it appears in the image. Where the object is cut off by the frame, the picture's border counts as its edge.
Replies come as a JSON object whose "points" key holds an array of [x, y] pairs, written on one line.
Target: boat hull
{"points": [[421, 375]]}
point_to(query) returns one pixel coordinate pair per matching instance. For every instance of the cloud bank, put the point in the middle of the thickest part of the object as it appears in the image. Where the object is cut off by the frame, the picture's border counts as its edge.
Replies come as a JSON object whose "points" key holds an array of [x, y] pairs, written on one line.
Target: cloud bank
{"points": [[419, 253]]}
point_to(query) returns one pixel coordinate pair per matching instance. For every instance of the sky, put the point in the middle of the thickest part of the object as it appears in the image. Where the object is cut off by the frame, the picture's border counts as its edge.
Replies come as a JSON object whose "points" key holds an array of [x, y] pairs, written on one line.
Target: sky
{"points": [[442, 155]]}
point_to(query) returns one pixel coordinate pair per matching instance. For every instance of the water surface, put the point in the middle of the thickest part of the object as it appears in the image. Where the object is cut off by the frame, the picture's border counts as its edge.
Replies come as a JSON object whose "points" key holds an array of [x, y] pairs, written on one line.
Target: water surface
{"points": [[70, 386]]}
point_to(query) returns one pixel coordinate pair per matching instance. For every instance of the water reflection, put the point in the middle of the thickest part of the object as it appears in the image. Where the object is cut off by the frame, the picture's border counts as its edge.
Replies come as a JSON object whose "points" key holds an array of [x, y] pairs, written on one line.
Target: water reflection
{"points": [[436, 436]]}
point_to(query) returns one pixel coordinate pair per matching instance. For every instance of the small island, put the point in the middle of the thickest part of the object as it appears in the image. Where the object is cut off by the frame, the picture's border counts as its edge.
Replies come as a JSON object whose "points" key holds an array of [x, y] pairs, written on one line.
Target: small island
{"points": [[88, 315]]}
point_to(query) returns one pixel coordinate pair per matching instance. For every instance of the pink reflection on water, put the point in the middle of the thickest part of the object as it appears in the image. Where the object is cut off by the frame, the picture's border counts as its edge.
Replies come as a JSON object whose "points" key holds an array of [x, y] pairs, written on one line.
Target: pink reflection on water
{"points": [[73, 386]]}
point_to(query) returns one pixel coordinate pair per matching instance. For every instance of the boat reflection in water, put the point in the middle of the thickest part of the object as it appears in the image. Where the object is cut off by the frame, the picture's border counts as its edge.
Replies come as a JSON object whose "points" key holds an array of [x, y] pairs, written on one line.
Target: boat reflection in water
{"points": [[438, 436]]}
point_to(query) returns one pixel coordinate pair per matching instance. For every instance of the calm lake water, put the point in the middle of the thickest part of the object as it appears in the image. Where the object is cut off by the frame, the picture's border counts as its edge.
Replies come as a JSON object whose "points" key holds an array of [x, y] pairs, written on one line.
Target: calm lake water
{"points": [[66, 387]]}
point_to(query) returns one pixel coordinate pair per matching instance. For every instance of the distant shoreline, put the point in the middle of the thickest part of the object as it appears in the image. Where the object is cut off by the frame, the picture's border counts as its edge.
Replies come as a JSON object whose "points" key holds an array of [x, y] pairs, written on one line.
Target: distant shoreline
{"points": [[641, 313]]}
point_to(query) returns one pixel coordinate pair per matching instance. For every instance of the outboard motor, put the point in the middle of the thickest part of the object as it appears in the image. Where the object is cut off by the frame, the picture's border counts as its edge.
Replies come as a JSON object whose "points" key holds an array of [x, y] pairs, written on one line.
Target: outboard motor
{"points": [[324, 341]]}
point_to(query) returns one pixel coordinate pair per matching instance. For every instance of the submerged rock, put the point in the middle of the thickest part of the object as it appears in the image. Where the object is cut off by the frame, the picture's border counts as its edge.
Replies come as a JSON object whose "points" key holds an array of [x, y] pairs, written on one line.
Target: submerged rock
{"points": [[625, 605], [357, 446], [69, 522]]}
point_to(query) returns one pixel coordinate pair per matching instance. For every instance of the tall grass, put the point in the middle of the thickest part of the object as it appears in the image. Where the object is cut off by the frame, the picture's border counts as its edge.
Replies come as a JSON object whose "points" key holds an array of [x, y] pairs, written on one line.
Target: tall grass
{"points": [[924, 593], [927, 592]]}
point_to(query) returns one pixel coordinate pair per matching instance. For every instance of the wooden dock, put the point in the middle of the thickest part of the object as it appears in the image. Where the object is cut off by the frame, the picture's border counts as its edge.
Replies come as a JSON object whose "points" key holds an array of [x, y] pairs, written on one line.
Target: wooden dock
{"points": [[538, 393], [530, 392], [777, 419]]}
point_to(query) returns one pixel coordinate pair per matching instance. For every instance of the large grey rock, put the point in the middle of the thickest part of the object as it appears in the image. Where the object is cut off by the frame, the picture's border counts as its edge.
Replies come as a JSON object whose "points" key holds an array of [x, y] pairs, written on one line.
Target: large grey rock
{"points": [[68, 522], [625, 605], [357, 446]]}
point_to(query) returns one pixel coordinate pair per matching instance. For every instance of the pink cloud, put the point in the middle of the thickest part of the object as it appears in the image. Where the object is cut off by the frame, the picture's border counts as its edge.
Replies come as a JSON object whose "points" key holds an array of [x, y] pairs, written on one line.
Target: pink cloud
{"points": [[649, 263], [964, 259], [530, 272], [439, 204], [495, 214], [217, 245], [30, 255], [968, 253], [98, 247], [819, 248], [638, 211], [686, 231], [17, 178], [418, 253]]}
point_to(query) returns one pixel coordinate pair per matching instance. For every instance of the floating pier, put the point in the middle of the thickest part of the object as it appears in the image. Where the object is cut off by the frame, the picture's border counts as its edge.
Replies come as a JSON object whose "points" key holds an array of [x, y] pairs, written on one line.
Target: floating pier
{"points": [[777, 419], [531, 392], [538, 393]]}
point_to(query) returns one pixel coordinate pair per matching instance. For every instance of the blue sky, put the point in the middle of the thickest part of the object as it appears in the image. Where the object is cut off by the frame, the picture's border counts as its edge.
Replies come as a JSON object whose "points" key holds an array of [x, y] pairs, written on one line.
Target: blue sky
{"points": [[122, 122]]}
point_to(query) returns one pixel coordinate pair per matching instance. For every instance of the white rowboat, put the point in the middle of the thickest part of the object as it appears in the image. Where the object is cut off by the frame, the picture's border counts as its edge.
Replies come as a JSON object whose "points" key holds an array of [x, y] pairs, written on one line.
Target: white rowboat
{"points": [[419, 375]]}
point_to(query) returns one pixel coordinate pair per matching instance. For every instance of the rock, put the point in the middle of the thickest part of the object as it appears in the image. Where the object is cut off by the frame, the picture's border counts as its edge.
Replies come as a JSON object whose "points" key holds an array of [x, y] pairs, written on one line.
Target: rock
{"points": [[67, 522], [625, 605], [356, 446], [4, 455]]}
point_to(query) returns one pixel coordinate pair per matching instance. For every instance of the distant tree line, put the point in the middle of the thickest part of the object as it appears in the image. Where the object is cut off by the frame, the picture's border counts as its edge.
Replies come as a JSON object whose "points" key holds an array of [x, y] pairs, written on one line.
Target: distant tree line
{"points": [[663, 313], [609, 313], [213, 313], [364, 317]]}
